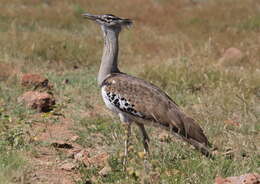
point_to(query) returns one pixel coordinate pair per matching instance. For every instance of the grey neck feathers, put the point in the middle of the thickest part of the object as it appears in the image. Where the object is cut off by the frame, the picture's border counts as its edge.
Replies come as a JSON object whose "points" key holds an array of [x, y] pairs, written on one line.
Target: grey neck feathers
{"points": [[110, 55]]}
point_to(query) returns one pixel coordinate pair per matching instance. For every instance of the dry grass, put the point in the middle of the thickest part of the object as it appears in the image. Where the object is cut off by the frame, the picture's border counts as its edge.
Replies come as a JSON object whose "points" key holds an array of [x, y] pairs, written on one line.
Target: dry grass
{"points": [[176, 45]]}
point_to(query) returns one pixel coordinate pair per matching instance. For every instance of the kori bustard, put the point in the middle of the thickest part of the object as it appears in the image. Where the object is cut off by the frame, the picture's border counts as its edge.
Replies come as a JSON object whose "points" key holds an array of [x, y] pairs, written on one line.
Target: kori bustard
{"points": [[138, 101]]}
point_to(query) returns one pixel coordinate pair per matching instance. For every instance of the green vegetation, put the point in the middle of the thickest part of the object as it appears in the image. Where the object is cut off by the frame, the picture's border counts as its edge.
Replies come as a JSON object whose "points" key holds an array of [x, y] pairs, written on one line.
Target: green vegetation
{"points": [[175, 45]]}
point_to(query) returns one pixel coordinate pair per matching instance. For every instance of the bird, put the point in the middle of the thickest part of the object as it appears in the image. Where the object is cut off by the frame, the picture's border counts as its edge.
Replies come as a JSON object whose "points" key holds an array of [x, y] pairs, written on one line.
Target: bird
{"points": [[137, 101]]}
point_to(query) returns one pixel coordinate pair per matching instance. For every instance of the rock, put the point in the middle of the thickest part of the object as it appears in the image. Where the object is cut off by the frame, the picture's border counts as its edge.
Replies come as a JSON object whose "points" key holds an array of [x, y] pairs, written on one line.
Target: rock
{"points": [[34, 81], [74, 138], [105, 171], [231, 56], [250, 178], [5, 71], [99, 159], [232, 122], [82, 155], [68, 166], [41, 101]]}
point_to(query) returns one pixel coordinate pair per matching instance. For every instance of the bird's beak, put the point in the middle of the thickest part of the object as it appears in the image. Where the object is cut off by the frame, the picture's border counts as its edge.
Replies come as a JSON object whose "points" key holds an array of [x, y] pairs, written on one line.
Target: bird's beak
{"points": [[90, 16]]}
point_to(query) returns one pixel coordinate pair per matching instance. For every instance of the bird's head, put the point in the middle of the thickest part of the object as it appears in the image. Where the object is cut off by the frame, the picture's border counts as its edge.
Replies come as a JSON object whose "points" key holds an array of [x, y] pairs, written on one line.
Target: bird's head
{"points": [[109, 21]]}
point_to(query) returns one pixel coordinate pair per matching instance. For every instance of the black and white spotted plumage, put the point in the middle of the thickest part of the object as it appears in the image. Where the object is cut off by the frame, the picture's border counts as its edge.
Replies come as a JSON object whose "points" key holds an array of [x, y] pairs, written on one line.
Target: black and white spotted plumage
{"points": [[116, 103], [122, 104]]}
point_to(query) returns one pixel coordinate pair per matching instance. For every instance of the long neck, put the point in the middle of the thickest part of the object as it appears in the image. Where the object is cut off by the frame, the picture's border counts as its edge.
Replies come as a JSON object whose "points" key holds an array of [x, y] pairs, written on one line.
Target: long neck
{"points": [[110, 55]]}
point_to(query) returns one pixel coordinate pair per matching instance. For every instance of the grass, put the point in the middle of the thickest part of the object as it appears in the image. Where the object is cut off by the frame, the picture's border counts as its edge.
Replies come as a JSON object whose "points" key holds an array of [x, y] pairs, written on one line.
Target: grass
{"points": [[13, 137], [173, 45]]}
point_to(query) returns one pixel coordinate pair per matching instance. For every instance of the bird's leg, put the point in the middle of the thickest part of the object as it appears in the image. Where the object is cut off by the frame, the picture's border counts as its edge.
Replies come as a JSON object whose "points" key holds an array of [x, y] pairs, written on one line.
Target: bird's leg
{"points": [[145, 138], [146, 141], [128, 134]]}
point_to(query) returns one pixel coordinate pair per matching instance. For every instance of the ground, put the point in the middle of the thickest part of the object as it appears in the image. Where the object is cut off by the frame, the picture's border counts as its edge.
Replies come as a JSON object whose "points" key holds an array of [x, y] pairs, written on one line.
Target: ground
{"points": [[179, 46]]}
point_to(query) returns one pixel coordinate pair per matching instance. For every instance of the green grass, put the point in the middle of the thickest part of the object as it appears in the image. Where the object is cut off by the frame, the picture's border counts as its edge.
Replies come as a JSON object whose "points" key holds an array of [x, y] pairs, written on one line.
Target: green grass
{"points": [[179, 54], [12, 166], [13, 137]]}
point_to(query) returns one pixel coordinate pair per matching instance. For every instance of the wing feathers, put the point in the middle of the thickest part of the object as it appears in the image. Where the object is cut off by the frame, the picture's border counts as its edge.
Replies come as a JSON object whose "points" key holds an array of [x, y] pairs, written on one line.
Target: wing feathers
{"points": [[157, 106]]}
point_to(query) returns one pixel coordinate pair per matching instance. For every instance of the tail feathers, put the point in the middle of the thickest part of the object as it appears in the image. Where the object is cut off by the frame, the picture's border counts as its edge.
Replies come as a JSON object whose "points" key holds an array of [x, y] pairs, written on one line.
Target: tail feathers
{"points": [[191, 132], [194, 131], [204, 149]]}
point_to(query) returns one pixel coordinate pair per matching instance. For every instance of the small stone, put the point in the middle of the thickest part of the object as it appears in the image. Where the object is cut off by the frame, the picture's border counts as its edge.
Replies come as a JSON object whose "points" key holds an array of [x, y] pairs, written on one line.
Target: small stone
{"points": [[232, 122], [74, 138], [41, 101], [34, 81], [231, 56], [99, 160], [78, 156], [105, 171], [220, 180], [250, 178], [82, 155], [6, 71], [68, 166]]}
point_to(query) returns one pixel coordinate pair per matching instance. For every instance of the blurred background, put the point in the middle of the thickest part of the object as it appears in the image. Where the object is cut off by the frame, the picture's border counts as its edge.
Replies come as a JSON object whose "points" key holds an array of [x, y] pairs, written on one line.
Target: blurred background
{"points": [[204, 53]]}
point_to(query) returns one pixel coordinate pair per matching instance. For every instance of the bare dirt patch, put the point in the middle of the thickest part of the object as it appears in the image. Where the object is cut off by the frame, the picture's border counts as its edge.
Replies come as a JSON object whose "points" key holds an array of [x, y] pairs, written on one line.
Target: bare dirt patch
{"points": [[52, 162]]}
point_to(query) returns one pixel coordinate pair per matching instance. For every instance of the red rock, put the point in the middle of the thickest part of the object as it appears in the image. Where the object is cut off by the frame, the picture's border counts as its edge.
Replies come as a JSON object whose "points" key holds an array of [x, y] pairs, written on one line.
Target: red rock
{"points": [[82, 155], [250, 178], [232, 122], [74, 138], [5, 71], [34, 81], [99, 160], [231, 56], [68, 166], [41, 101], [253, 178], [220, 180]]}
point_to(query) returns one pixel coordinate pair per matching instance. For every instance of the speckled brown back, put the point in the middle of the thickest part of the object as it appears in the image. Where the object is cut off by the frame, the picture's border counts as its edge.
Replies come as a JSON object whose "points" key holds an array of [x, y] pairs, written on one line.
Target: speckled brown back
{"points": [[153, 104]]}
